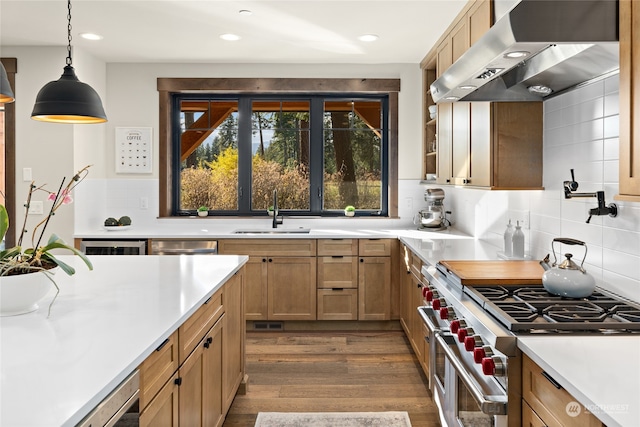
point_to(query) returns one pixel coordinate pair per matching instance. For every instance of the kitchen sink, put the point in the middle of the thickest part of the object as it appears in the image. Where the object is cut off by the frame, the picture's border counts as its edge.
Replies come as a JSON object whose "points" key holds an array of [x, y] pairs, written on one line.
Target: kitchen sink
{"points": [[274, 231]]}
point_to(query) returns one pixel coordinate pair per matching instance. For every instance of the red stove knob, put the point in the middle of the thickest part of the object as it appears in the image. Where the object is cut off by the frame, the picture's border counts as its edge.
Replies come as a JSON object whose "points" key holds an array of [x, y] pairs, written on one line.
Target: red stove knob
{"points": [[456, 325], [437, 303], [463, 332], [428, 295], [471, 343], [493, 366], [426, 290], [444, 313], [480, 353]]}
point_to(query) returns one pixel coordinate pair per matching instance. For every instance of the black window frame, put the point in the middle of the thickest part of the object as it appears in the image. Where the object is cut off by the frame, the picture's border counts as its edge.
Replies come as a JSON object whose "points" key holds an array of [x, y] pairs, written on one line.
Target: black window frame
{"points": [[316, 150]]}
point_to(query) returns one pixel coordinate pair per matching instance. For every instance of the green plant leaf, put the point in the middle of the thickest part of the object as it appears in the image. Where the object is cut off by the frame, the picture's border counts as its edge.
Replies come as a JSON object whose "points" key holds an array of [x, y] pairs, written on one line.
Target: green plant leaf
{"points": [[56, 242], [64, 266], [4, 221]]}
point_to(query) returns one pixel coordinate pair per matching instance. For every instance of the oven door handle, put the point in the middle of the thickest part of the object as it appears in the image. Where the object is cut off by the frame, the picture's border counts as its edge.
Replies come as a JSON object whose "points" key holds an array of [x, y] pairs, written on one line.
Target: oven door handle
{"points": [[491, 405]]}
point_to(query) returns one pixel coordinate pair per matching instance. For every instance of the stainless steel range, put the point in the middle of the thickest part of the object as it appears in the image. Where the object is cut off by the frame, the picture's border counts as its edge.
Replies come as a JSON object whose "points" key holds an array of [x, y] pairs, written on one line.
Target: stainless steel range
{"points": [[475, 362]]}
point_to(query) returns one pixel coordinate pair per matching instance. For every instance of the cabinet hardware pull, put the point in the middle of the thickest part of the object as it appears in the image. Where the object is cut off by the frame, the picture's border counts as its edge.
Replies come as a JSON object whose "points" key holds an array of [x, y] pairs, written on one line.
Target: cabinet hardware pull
{"points": [[337, 256], [206, 344], [208, 299], [361, 259], [178, 381], [337, 289], [162, 345], [264, 260], [270, 260], [209, 340], [551, 380]]}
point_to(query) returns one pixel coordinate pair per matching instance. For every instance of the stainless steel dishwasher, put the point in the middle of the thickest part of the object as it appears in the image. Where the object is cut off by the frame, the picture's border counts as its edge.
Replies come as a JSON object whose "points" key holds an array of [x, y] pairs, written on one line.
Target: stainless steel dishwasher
{"points": [[183, 247]]}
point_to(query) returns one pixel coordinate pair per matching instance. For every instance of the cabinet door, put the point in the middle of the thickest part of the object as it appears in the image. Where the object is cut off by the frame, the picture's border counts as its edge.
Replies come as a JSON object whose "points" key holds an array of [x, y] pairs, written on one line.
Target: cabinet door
{"points": [[629, 100], [337, 304], [162, 411], [479, 20], [256, 288], [374, 288], [479, 173], [213, 374], [444, 56], [459, 40], [445, 140], [416, 321], [190, 394], [233, 338], [291, 288], [460, 142], [530, 418]]}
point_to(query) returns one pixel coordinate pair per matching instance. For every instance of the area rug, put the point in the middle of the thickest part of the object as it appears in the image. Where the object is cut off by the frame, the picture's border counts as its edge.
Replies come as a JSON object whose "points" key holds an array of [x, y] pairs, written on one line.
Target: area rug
{"points": [[333, 419]]}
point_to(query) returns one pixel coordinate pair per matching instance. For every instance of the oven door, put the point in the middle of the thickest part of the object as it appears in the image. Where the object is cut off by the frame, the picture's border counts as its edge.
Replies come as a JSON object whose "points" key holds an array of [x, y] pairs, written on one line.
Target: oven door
{"points": [[466, 398], [120, 408]]}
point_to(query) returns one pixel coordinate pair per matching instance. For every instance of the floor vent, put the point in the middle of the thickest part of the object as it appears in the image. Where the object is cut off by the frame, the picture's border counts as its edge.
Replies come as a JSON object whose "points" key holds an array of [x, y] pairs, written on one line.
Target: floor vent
{"points": [[267, 326]]}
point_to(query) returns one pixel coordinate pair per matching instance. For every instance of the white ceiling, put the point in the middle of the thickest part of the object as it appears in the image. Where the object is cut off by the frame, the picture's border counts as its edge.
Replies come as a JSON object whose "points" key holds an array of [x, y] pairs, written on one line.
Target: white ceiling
{"points": [[285, 31]]}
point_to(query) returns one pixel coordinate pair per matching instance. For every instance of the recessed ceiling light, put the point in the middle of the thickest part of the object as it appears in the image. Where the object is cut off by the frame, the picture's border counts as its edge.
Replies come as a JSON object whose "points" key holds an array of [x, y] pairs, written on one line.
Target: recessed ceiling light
{"points": [[516, 54], [452, 98], [368, 37], [245, 12], [91, 36], [540, 90], [230, 37], [467, 87]]}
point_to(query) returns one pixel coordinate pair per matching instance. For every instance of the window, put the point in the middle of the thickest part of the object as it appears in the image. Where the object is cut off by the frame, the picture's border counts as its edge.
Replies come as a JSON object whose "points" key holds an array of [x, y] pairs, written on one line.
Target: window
{"points": [[322, 151]]}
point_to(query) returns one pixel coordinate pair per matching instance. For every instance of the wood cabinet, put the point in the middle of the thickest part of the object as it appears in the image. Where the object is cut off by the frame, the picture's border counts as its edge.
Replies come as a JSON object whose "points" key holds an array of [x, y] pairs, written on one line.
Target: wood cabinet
{"points": [[629, 101], [480, 144], [337, 295], [374, 279], [549, 401], [497, 145], [192, 378], [281, 277]]}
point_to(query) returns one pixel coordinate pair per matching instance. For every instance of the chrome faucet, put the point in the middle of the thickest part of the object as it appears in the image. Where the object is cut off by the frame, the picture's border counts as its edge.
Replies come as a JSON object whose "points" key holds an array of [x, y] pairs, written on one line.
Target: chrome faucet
{"points": [[276, 211]]}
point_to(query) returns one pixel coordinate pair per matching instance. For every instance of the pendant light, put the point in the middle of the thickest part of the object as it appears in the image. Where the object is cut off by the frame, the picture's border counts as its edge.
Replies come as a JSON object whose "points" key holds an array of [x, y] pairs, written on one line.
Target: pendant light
{"points": [[6, 94], [68, 100]]}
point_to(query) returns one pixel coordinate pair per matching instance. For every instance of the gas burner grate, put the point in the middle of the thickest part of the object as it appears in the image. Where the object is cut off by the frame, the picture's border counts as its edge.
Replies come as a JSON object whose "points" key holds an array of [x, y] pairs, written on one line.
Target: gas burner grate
{"points": [[575, 312], [626, 313], [518, 311]]}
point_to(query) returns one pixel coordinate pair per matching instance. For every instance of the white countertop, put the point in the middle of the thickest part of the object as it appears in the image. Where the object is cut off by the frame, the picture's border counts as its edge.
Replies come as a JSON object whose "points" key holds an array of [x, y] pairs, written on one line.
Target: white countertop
{"points": [[103, 324], [601, 372]]}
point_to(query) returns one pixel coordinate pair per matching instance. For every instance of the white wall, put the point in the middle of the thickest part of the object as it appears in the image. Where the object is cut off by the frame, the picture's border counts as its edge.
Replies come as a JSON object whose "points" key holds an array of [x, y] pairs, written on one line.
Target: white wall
{"points": [[580, 132], [50, 150]]}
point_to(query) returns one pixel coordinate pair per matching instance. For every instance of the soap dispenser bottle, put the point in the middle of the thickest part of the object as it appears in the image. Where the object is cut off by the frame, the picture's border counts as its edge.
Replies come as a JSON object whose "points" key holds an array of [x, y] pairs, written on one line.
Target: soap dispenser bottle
{"points": [[518, 242], [508, 240]]}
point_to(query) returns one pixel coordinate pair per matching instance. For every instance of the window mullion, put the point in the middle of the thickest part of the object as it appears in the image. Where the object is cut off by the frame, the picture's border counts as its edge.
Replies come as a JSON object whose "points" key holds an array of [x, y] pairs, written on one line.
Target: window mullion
{"points": [[316, 162], [244, 155]]}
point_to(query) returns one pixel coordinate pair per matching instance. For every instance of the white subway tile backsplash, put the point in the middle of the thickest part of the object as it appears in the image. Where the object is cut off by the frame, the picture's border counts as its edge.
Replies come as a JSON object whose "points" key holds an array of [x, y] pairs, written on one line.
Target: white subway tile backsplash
{"points": [[612, 127], [611, 149], [611, 104]]}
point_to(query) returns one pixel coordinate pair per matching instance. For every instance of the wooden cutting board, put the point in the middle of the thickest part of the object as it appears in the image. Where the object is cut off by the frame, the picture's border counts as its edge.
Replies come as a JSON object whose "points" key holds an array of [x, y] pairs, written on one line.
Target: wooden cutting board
{"points": [[503, 273]]}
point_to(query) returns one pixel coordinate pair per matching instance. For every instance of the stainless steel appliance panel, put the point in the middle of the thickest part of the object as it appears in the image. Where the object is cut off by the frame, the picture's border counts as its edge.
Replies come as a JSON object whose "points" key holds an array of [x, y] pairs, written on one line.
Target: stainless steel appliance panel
{"points": [[184, 247], [114, 247]]}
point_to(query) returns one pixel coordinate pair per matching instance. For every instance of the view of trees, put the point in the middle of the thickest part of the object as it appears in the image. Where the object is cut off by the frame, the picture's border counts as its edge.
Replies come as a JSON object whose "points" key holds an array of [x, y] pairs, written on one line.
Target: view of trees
{"points": [[280, 160]]}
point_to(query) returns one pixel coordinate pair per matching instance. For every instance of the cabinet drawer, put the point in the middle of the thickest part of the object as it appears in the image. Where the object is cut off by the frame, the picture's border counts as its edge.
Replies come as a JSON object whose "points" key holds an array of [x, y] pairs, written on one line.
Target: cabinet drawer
{"points": [[337, 304], [268, 247], [337, 247], [337, 272], [374, 247], [416, 265], [549, 400], [156, 369], [195, 327]]}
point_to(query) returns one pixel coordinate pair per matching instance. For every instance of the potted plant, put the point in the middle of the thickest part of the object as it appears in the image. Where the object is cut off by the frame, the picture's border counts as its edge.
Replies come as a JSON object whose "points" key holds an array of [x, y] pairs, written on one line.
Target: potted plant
{"points": [[203, 211], [270, 210], [349, 211], [23, 270]]}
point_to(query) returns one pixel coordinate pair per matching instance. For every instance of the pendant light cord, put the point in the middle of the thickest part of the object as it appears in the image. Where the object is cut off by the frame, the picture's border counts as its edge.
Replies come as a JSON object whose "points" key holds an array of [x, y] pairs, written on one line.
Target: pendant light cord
{"points": [[69, 33]]}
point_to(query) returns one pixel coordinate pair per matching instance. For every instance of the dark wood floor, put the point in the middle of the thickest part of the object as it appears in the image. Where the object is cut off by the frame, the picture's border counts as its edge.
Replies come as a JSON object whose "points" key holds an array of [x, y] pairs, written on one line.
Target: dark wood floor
{"points": [[332, 372]]}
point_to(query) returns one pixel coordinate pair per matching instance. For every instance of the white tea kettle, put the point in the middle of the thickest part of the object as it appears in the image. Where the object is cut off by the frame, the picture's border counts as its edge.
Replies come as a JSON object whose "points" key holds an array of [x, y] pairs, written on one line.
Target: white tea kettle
{"points": [[567, 279]]}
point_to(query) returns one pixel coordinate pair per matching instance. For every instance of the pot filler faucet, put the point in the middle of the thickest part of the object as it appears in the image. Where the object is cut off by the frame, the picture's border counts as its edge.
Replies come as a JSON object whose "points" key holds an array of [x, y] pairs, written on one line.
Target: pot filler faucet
{"points": [[276, 221], [602, 209]]}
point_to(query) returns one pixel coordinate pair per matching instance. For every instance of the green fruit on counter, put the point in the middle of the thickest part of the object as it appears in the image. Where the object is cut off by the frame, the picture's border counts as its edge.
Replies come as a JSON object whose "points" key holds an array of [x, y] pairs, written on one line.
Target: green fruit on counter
{"points": [[124, 220], [111, 222]]}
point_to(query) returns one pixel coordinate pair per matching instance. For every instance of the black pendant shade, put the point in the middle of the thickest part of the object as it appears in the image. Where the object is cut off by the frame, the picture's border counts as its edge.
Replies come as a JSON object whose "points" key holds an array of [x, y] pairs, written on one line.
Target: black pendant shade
{"points": [[68, 100], [6, 94]]}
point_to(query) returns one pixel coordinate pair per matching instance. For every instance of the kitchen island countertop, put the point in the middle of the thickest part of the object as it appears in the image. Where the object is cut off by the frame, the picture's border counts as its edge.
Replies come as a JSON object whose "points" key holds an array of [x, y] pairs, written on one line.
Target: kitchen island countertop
{"points": [[103, 324], [602, 372]]}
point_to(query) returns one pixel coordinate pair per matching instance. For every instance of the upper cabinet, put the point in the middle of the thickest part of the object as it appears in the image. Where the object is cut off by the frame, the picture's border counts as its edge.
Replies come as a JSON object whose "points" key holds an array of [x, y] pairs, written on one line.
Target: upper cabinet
{"points": [[494, 145], [629, 100]]}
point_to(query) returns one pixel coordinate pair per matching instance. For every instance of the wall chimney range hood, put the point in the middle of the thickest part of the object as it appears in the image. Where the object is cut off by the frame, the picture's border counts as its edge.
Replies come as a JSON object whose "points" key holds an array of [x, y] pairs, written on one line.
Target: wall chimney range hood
{"points": [[536, 49]]}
